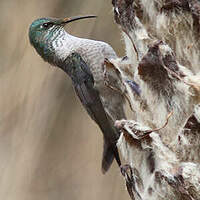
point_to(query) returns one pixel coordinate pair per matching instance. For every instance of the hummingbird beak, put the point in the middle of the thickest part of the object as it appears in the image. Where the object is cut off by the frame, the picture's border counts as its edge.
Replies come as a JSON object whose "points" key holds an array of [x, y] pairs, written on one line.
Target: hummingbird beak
{"points": [[71, 19]]}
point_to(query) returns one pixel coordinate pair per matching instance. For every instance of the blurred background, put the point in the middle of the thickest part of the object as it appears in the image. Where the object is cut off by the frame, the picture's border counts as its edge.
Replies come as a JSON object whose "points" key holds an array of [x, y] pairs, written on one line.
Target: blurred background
{"points": [[49, 148]]}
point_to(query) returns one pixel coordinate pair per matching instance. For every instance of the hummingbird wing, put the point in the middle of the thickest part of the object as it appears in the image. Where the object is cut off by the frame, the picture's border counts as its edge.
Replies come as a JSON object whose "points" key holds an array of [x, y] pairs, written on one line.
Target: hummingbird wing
{"points": [[83, 83]]}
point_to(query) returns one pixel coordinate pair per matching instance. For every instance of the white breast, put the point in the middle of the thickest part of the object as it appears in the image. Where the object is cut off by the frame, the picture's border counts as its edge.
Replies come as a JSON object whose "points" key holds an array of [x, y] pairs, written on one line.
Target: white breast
{"points": [[93, 53]]}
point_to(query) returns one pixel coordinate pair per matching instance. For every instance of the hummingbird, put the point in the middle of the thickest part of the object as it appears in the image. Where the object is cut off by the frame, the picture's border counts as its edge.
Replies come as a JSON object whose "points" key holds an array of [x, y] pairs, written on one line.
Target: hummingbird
{"points": [[84, 61]]}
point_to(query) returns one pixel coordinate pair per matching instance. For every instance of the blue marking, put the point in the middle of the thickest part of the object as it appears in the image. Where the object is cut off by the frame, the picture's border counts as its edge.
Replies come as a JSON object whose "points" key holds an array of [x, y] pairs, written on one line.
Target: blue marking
{"points": [[134, 86]]}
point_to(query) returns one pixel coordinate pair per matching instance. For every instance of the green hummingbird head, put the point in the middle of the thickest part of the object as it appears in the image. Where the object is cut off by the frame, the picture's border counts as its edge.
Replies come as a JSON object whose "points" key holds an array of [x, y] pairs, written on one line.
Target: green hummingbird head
{"points": [[43, 31]]}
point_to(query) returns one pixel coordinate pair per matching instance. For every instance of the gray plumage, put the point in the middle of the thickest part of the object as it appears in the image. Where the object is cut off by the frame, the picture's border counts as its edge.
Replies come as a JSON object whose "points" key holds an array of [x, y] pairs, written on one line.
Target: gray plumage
{"points": [[83, 61]]}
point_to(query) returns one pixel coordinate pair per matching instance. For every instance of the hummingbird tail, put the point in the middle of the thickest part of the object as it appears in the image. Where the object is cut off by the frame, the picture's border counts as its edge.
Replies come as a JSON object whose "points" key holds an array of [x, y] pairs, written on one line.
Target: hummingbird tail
{"points": [[110, 152]]}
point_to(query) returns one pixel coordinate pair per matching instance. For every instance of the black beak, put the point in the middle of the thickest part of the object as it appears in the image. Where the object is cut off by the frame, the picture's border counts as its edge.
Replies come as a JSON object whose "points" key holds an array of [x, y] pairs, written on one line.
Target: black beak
{"points": [[71, 19]]}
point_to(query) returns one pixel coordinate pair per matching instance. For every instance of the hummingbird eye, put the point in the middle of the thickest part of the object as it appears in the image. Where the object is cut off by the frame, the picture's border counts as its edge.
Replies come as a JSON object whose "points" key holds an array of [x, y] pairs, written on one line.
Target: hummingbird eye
{"points": [[47, 25]]}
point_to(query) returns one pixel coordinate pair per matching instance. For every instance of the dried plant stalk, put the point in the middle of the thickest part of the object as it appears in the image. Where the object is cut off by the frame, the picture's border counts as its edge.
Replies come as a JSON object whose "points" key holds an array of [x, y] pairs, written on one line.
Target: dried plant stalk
{"points": [[163, 50]]}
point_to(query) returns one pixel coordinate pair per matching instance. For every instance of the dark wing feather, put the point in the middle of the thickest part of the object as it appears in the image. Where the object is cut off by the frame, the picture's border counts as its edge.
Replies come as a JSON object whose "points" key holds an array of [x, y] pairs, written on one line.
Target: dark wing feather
{"points": [[84, 87]]}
